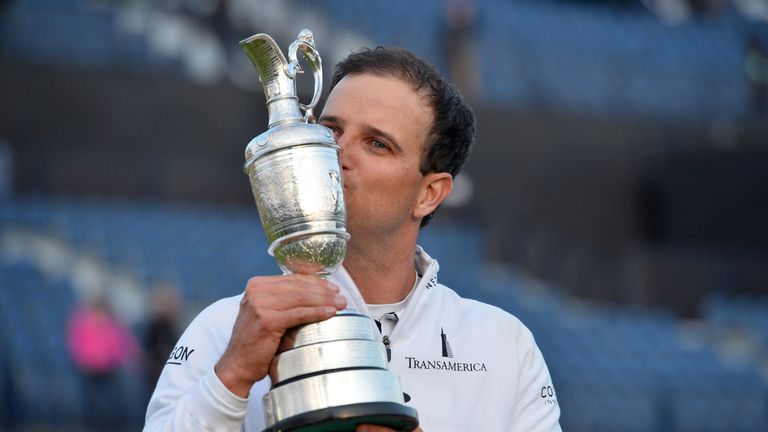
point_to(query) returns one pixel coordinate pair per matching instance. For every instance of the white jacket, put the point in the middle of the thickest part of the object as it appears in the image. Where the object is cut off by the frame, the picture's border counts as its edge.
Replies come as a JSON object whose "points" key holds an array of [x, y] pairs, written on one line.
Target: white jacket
{"points": [[493, 377]]}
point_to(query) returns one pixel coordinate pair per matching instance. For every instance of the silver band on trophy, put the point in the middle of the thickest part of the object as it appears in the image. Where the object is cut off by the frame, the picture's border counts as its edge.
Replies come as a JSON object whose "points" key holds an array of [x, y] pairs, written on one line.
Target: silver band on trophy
{"points": [[331, 375]]}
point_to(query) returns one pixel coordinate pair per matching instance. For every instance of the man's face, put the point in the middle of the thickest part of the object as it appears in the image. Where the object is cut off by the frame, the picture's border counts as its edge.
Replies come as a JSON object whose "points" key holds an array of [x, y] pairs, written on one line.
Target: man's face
{"points": [[382, 126]]}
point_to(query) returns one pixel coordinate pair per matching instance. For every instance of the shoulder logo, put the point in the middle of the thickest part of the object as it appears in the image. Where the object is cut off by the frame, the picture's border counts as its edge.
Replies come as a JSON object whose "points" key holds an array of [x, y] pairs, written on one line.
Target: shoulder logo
{"points": [[432, 282], [179, 354], [548, 395], [446, 346]]}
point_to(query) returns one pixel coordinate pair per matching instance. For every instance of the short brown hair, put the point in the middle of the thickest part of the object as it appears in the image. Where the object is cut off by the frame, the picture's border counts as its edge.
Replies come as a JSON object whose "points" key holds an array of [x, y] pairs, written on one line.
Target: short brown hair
{"points": [[453, 127]]}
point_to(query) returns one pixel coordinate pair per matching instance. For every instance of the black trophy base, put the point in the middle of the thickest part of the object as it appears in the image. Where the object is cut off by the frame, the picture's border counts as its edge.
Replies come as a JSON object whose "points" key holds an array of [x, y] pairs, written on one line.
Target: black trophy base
{"points": [[347, 417]]}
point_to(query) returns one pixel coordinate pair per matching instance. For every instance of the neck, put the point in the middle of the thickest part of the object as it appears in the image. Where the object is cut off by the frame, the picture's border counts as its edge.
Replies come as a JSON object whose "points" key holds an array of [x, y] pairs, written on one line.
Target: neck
{"points": [[383, 271]]}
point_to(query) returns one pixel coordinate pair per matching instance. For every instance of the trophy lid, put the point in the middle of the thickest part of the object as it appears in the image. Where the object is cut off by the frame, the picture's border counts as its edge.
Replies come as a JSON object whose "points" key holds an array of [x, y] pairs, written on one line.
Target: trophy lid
{"points": [[287, 135]]}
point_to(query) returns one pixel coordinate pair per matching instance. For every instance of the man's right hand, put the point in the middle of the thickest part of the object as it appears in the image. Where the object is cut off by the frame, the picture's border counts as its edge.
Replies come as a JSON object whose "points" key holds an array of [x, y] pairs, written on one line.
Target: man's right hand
{"points": [[270, 306]]}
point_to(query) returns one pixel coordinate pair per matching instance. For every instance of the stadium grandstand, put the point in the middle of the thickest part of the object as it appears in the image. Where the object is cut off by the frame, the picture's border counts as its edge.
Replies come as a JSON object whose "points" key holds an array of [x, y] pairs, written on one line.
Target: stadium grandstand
{"points": [[615, 202]]}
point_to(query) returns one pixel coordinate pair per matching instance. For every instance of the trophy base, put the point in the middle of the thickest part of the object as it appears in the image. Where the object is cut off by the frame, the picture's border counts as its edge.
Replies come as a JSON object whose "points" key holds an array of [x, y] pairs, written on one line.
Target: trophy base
{"points": [[347, 417]]}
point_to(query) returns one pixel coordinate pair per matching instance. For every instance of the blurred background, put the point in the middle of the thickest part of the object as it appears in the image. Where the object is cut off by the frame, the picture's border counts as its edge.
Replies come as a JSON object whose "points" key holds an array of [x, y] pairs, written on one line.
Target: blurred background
{"points": [[616, 201]]}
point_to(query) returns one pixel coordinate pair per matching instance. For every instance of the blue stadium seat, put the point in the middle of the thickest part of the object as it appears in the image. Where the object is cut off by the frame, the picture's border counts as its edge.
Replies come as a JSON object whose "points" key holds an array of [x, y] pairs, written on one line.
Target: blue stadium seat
{"points": [[635, 366]]}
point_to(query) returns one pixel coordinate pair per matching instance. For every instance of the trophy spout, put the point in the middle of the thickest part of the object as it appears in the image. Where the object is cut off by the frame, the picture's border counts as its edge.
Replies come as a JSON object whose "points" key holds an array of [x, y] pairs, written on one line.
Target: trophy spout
{"points": [[279, 86], [278, 76]]}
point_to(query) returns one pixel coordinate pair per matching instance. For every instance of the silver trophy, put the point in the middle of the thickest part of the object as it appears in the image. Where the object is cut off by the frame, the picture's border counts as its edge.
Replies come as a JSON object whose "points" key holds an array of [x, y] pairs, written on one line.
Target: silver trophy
{"points": [[331, 375]]}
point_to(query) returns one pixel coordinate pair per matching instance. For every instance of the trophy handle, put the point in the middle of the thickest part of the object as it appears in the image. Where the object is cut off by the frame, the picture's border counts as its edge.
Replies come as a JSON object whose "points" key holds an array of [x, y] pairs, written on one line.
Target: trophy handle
{"points": [[306, 44]]}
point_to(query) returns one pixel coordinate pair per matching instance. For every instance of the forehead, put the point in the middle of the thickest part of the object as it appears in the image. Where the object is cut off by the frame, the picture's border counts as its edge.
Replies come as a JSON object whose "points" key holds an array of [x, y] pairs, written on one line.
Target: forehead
{"points": [[384, 102]]}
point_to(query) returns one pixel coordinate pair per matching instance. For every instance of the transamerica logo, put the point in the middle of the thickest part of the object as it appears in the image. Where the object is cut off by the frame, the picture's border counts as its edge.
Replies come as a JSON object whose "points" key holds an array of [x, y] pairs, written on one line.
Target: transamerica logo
{"points": [[449, 365], [414, 363]]}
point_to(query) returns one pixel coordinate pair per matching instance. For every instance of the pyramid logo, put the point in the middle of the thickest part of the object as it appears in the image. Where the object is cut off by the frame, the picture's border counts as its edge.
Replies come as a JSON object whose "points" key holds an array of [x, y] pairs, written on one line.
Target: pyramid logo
{"points": [[446, 346]]}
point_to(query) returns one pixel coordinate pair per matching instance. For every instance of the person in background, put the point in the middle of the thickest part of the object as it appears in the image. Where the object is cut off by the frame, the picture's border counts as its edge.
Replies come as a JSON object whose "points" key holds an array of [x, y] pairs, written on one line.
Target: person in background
{"points": [[100, 346], [162, 330]]}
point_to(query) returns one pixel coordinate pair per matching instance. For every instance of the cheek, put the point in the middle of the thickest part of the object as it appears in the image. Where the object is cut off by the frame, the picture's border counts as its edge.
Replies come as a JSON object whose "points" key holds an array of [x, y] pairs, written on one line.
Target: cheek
{"points": [[408, 184], [389, 185]]}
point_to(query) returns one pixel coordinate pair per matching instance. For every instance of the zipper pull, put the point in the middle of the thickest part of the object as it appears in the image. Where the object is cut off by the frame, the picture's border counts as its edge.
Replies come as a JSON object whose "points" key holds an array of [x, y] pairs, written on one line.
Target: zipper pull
{"points": [[386, 345]]}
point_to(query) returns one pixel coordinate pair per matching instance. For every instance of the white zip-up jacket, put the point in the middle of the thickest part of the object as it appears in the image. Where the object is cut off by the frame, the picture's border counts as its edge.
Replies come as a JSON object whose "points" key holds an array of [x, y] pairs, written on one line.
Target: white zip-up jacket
{"points": [[464, 366]]}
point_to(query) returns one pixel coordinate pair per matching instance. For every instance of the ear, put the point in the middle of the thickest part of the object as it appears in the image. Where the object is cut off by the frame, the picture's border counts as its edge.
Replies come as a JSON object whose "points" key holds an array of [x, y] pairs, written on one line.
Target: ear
{"points": [[435, 187]]}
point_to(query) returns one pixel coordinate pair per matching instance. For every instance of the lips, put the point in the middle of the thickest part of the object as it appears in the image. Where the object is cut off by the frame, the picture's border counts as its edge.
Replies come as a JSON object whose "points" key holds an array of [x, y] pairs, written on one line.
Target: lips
{"points": [[345, 183]]}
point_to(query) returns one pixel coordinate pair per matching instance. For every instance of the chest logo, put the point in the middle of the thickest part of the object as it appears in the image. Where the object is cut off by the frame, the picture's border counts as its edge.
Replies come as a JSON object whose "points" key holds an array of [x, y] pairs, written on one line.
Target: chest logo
{"points": [[446, 363]]}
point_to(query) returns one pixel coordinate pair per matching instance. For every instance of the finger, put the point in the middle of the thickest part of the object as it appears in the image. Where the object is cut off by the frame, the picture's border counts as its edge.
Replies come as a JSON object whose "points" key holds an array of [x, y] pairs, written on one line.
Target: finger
{"points": [[303, 315], [295, 297], [310, 295], [300, 279], [283, 293], [316, 280], [288, 282]]}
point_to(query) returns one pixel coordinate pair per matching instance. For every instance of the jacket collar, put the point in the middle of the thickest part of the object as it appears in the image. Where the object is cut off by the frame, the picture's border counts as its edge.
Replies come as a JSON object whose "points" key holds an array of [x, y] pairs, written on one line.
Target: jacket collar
{"points": [[426, 266]]}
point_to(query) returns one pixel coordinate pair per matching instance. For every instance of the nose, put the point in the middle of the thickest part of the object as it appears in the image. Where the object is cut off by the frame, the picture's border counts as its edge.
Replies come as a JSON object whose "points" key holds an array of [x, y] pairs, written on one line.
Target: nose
{"points": [[344, 152]]}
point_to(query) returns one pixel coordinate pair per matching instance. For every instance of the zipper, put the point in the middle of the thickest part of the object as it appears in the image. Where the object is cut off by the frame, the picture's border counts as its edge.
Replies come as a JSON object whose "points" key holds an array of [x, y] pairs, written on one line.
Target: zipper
{"points": [[386, 342], [388, 321]]}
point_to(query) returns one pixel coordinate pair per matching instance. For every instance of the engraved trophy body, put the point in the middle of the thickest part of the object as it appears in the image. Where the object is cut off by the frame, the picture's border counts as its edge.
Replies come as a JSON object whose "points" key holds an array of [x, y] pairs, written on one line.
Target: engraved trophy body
{"points": [[333, 375]]}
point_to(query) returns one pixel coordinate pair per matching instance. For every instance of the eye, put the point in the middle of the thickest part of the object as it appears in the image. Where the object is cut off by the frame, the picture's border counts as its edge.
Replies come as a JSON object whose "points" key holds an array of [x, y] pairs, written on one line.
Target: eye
{"points": [[380, 146]]}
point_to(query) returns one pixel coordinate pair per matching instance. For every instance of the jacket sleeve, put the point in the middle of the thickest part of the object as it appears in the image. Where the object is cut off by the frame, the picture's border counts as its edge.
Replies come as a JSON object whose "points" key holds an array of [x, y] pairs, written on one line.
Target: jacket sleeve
{"points": [[189, 396], [536, 407]]}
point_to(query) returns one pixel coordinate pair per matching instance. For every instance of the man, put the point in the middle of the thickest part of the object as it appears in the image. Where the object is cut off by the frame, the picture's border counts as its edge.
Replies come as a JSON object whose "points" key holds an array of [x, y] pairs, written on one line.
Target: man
{"points": [[404, 133]]}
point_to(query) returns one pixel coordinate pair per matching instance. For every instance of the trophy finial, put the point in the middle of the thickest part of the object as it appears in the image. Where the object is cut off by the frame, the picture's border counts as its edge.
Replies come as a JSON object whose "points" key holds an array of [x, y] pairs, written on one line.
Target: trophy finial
{"points": [[306, 36]]}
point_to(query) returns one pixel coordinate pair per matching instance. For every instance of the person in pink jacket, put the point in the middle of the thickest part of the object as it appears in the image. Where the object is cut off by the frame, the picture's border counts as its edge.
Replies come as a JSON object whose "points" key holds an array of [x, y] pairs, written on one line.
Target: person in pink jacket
{"points": [[100, 346]]}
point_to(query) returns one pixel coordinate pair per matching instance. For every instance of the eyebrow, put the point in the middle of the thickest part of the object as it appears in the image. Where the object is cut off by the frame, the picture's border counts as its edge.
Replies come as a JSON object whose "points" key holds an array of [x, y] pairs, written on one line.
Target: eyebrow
{"points": [[370, 129]]}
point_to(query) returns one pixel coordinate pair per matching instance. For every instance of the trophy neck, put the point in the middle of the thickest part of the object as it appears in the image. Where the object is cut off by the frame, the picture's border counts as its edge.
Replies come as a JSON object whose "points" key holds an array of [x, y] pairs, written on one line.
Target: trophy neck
{"points": [[284, 109]]}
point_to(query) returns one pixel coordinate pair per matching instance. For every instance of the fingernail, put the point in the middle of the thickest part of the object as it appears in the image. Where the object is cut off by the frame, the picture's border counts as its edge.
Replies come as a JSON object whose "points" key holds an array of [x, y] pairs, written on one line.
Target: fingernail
{"points": [[340, 300]]}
